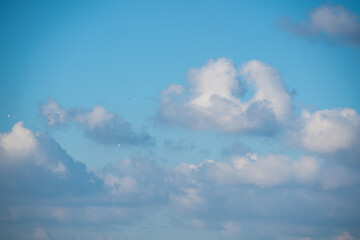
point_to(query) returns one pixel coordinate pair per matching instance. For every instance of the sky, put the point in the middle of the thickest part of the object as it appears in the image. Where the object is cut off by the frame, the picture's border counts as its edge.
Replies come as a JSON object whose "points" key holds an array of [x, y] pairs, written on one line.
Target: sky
{"points": [[190, 120]]}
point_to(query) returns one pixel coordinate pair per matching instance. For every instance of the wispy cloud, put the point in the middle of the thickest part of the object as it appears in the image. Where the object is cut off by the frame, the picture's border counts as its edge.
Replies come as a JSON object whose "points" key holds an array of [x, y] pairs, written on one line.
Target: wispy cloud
{"points": [[98, 124]]}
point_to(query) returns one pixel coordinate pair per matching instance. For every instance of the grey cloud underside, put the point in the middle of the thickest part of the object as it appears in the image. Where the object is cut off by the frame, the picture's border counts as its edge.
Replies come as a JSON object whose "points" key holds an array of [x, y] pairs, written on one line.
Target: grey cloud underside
{"points": [[117, 132]]}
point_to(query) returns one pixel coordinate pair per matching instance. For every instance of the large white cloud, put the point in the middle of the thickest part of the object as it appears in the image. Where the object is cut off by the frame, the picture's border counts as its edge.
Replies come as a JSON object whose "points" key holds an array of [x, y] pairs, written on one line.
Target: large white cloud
{"points": [[331, 23], [326, 131], [213, 99], [98, 124]]}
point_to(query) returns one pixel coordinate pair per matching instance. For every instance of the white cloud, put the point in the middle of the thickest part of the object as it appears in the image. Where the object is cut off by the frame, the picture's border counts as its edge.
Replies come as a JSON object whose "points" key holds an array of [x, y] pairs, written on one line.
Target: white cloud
{"points": [[269, 88], [42, 163], [19, 142], [98, 124], [213, 99], [46, 185], [210, 195], [264, 171], [268, 171], [326, 131], [331, 23], [22, 147], [215, 78]]}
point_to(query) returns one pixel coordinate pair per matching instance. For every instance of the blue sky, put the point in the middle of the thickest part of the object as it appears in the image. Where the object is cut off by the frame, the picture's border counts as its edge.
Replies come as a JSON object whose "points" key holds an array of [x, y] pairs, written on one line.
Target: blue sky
{"points": [[204, 119]]}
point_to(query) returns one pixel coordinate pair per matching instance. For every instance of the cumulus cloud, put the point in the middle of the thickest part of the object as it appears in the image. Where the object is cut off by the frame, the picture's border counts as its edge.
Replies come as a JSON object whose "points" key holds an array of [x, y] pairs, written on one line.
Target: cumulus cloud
{"points": [[262, 171], [21, 146], [270, 170], [213, 99], [226, 194], [327, 22], [98, 124], [20, 141], [47, 186], [326, 131], [46, 168]]}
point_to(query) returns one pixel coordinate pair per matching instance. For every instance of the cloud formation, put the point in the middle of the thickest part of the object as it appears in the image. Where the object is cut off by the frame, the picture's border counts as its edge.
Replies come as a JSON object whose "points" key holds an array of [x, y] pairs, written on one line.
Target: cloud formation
{"points": [[264, 171], [213, 99], [46, 186], [326, 131], [270, 170], [99, 124], [331, 23], [228, 193], [47, 169]]}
